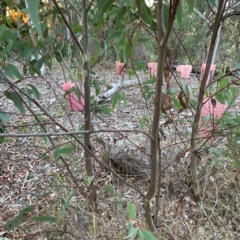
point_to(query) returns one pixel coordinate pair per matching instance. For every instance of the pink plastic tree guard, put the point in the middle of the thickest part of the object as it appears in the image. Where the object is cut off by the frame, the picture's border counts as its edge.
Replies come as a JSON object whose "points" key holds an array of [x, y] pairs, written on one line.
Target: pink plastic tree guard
{"points": [[207, 126], [211, 72], [119, 68], [152, 68], [185, 70], [73, 102]]}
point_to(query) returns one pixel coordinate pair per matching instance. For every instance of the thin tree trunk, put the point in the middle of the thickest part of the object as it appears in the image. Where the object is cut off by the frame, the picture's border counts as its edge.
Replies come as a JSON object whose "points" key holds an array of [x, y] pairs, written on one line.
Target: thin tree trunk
{"points": [[87, 116], [155, 142], [193, 164]]}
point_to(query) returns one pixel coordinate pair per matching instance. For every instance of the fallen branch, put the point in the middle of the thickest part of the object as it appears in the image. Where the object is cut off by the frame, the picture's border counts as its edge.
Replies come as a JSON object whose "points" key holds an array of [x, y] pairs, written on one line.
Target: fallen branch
{"points": [[107, 95]]}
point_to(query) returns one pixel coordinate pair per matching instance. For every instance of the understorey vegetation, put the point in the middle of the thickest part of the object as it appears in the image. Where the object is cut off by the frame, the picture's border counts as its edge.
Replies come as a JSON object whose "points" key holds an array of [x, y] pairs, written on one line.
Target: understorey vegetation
{"points": [[119, 119]]}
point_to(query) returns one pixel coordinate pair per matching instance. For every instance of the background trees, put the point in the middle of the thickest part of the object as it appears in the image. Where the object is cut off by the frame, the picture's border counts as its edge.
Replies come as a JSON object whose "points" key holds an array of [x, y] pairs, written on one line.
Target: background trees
{"points": [[72, 37]]}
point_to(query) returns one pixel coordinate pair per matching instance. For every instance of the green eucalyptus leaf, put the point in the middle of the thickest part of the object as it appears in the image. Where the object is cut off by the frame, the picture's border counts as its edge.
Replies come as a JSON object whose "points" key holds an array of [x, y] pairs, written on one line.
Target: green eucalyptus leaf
{"points": [[148, 235], [35, 91], [190, 4], [165, 15], [187, 89], [45, 219], [109, 189], [233, 90], [114, 35], [56, 152], [150, 94], [132, 231], [116, 98], [13, 96], [62, 212], [2, 130], [142, 40], [140, 234], [139, 65], [66, 150], [177, 104], [3, 116], [96, 86], [105, 5], [150, 81], [220, 98], [131, 209], [122, 4], [20, 218], [224, 82], [106, 110], [179, 14], [212, 2], [33, 6], [8, 47], [120, 16], [11, 71], [144, 12]]}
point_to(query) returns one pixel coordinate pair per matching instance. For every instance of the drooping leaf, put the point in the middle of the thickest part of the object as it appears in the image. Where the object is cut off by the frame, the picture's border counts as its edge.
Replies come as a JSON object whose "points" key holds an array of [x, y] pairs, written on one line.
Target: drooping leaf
{"points": [[154, 25], [142, 40], [62, 150], [150, 81], [11, 71], [150, 94], [224, 82], [139, 65], [179, 14], [140, 234], [122, 4], [144, 12], [132, 231], [20, 218], [148, 235], [212, 2], [131, 209], [109, 189], [8, 47], [187, 89], [233, 90], [96, 86], [2, 130], [106, 110], [124, 100], [114, 35], [116, 98], [3, 116], [35, 91], [45, 219], [120, 16], [190, 4], [220, 98], [13, 96], [62, 212], [33, 6], [165, 15], [66, 150], [177, 104], [56, 152], [104, 5]]}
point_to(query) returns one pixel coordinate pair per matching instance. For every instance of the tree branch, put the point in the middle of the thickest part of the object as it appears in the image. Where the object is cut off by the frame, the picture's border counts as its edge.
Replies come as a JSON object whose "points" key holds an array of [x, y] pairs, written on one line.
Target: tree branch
{"points": [[202, 17], [193, 164]]}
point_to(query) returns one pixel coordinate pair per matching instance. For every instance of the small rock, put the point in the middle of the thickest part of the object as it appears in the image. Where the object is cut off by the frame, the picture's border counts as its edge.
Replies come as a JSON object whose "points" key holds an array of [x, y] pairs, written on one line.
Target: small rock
{"points": [[52, 100]]}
